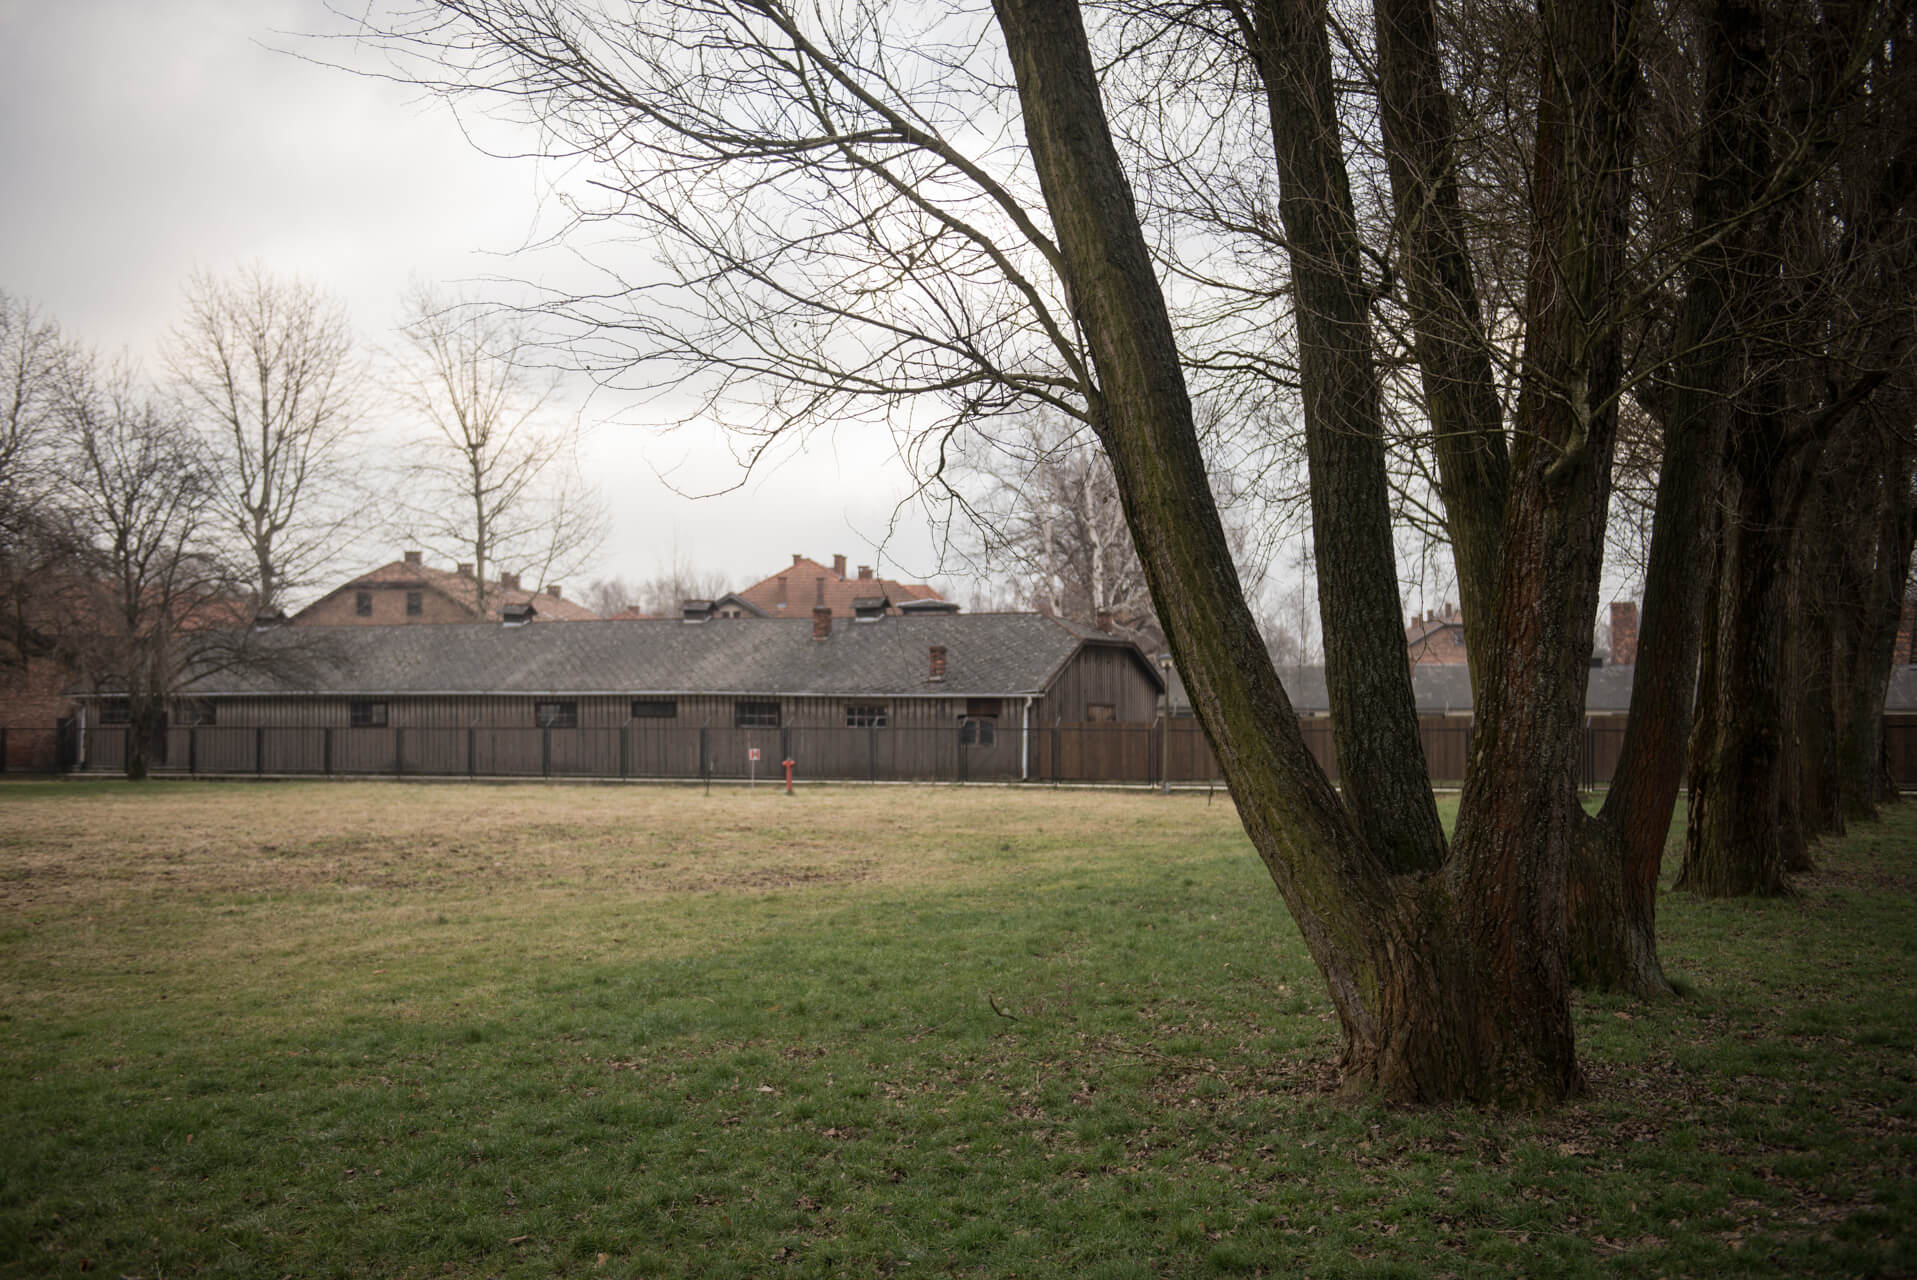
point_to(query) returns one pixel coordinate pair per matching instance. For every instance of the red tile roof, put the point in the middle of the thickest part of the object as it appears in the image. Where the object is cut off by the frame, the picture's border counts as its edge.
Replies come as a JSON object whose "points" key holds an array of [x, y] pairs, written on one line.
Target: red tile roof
{"points": [[463, 589], [802, 586]]}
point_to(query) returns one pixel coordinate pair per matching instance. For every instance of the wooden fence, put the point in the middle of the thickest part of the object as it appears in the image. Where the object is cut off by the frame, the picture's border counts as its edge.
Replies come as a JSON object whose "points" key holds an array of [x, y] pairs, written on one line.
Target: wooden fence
{"points": [[1166, 752]]}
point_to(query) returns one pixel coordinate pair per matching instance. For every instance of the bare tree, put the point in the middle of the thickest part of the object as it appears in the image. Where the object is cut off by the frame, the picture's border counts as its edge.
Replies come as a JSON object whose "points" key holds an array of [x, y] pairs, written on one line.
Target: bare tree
{"points": [[1051, 519], [660, 596], [850, 226], [266, 369], [493, 477], [155, 598], [37, 547]]}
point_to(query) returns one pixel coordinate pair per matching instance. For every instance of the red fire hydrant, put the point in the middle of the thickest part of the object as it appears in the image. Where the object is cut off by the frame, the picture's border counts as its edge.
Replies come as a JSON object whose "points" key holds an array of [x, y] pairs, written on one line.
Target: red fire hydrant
{"points": [[788, 775]]}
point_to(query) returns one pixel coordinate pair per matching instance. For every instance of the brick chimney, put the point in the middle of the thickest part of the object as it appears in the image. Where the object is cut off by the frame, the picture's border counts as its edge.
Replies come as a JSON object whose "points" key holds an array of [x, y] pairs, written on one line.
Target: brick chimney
{"points": [[1623, 633], [509, 581], [1105, 620], [821, 623], [552, 589], [796, 557], [838, 566], [865, 573], [412, 557], [466, 569], [937, 674]]}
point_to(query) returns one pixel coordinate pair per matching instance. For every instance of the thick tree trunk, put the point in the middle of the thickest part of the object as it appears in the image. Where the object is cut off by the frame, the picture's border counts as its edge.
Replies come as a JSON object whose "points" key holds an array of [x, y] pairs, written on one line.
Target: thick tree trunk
{"points": [[1448, 986], [1460, 397], [1860, 745], [1734, 844], [1380, 752], [1612, 894]]}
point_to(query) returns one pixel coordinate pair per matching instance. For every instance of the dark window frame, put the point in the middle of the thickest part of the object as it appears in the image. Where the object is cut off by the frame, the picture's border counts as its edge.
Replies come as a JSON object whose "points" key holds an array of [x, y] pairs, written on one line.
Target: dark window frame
{"points": [[756, 713], [415, 603], [654, 709], [116, 711], [202, 711], [367, 713], [866, 715], [978, 731], [362, 604], [556, 714], [1110, 710]]}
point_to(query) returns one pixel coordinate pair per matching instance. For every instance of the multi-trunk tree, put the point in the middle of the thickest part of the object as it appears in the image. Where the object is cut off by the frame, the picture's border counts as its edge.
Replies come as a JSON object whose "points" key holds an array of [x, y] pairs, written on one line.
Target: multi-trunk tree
{"points": [[832, 246]]}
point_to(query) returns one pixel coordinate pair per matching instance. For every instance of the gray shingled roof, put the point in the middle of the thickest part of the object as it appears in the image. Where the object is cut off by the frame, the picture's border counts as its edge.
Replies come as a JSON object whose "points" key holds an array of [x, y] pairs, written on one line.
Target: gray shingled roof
{"points": [[986, 655], [1440, 689]]}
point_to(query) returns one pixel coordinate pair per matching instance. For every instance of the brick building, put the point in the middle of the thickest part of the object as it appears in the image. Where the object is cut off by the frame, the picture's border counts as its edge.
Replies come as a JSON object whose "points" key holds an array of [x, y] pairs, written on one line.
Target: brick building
{"points": [[410, 591]]}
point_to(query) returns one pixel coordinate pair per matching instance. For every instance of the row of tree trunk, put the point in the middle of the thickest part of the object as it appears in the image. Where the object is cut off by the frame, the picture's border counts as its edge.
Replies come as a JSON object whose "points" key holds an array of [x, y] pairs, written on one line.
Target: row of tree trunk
{"points": [[1782, 532]]}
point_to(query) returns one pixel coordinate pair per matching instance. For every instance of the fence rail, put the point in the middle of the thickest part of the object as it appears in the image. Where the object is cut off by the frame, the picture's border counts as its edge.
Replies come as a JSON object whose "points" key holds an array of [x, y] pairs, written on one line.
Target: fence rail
{"points": [[1172, 752]]}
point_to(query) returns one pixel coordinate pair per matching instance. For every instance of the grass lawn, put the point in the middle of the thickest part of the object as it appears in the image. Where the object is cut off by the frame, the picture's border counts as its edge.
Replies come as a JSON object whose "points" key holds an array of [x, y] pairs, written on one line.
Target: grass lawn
{"points": [[430, 1030]]}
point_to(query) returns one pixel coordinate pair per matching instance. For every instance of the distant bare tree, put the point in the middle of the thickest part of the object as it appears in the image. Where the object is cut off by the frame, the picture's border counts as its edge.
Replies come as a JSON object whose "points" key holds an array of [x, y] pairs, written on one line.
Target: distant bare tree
{"points": [[266, 369], [660, 596], [607, 596], [152, 598], [1050, 519], [492, 477], [36, 542]]}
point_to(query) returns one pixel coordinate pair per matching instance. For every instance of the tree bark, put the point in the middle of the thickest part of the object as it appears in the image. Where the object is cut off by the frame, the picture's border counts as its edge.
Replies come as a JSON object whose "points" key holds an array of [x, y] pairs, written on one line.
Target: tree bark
{"points": [[1449, 985], [1860, 746], [1612, 894], [1381, 766], [1734, 842], [1460, 397]]}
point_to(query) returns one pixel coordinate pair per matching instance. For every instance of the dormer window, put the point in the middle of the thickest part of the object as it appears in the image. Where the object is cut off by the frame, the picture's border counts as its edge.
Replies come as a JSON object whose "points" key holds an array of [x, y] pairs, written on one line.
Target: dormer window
{"points": [[517, 615]]}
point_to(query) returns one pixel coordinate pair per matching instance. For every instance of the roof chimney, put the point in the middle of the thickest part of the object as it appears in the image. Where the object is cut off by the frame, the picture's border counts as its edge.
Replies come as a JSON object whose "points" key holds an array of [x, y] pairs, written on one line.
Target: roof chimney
{"points": [[465, 568], [821, 623], [412, 557], [937, 674], [552, 589], [509, 581], [838, 566], [1105, 620], [796, 557], [865, 573], [1623, 633]]}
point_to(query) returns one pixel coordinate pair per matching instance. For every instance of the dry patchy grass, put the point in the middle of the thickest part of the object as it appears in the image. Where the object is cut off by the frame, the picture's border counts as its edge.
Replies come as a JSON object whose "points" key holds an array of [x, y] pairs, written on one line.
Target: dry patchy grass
{"points": [[181, 842]]}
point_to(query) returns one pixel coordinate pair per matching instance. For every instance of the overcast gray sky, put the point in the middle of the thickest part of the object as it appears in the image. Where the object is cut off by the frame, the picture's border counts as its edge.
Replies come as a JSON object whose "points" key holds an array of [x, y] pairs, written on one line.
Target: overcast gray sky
{"points": [[143, 139]]}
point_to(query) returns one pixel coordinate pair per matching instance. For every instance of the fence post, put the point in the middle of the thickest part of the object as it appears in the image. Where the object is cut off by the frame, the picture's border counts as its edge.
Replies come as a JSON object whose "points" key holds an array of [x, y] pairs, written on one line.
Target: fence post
{"points": [[625, 748], [259, 750], [399, 752], [545, 753], [192, 749], [3, 748], [472, 751], [326, 751], [705, 759], [871, 754]]}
